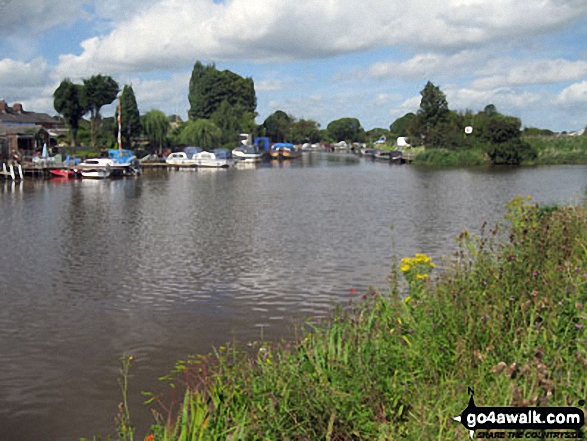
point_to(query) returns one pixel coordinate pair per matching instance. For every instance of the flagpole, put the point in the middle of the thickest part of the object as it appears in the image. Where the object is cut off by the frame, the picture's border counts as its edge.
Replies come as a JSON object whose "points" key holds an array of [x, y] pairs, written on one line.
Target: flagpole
{"points": [[119, 125]]}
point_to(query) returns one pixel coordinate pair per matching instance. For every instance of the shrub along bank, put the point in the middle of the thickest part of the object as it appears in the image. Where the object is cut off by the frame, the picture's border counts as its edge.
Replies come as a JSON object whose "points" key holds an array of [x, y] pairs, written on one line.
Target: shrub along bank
{"points": [[505, 318]]}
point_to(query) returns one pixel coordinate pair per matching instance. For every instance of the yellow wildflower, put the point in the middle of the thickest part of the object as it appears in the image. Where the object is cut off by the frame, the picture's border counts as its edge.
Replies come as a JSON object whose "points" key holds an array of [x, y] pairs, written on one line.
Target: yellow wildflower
{"points": [[405, 268]]}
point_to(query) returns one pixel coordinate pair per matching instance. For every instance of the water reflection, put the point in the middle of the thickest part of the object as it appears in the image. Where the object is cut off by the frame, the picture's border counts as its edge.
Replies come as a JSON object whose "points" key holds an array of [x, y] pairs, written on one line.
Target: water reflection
{"points": [[171, 263]]}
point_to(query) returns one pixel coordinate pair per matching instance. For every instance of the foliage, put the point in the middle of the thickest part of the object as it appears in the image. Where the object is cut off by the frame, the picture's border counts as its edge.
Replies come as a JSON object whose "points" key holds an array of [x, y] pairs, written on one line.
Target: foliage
{"points": [[210, 87], [305, 130], [232, 120], [201, 133], [131, 120], [400, 127], [462, 157], [532, 131], [376, 133], [156, 126], [277, 126], [68, 100], [506, 146], [558, 149], [99, 90], [433, 109], [346, 129]]}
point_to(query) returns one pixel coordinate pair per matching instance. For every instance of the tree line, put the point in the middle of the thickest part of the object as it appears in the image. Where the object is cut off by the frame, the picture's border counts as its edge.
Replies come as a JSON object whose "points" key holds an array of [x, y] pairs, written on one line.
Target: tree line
{"points": [[223, 105]]}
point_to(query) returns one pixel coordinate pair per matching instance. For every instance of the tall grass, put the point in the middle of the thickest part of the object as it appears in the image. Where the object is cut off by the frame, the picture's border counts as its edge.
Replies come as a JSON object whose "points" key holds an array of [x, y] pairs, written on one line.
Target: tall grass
{"points": [[450, 157], [559, 149], [506, 317]]}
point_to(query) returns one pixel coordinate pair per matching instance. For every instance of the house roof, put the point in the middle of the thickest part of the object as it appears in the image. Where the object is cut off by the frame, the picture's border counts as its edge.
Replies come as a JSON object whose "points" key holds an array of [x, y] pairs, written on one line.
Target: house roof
{"points": [[17, 115], [21, 129]]}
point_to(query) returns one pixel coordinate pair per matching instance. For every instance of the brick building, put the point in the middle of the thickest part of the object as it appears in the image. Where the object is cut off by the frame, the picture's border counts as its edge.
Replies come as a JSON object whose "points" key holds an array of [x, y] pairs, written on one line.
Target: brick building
{"points": [[25, 132]]}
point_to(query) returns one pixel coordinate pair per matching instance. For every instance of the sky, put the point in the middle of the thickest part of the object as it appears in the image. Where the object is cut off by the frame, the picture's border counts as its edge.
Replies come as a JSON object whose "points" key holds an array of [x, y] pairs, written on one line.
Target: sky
{"points": [[314, 59]]}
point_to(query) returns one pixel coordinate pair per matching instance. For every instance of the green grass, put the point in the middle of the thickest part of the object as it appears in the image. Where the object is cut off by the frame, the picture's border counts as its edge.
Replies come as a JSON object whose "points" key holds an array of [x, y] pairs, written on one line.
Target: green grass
{"points": [[450, 157], [506, 317], [559, 149]]}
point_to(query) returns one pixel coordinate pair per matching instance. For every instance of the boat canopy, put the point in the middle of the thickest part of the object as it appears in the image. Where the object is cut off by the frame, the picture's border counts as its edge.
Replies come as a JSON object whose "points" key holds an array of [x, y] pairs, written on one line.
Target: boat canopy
{"points": [[191, 151], [282, 145], [121, 156], [223, 154]]}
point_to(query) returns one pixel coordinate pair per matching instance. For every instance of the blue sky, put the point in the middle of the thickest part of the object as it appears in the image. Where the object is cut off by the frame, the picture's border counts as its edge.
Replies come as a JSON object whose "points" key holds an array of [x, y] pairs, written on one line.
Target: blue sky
{"points": [[314, 59]]}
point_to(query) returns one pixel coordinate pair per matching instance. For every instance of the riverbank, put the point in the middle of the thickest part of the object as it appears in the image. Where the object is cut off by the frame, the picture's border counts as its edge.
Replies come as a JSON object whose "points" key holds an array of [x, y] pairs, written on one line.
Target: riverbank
{"points": [[507, 318], [551, 150]]}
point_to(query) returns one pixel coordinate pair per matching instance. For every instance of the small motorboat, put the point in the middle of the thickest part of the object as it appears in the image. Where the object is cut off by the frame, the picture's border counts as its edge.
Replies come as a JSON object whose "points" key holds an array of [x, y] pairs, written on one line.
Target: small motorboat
{"points": [[284, 150], [216, 158], [124, 162], [248, 153], [98, 168], [65, 173], [186, 158]]}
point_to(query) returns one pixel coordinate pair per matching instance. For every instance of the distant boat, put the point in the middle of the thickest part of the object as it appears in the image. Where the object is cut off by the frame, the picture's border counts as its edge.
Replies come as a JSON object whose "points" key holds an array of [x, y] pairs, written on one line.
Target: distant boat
{"points": [[216, 158], [185, 158], [248, 153], [283, 150]]}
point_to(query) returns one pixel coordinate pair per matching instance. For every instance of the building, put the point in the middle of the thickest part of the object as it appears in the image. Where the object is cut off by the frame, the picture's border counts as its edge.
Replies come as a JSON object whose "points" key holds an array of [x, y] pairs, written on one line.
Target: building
{"points": [[24, 132]]}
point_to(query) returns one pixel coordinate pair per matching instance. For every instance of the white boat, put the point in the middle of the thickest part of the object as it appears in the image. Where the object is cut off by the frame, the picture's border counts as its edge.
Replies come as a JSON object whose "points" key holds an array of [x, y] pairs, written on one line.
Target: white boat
{"points": [[248, 153], [98, 168], [216, 158], [185, 158]]}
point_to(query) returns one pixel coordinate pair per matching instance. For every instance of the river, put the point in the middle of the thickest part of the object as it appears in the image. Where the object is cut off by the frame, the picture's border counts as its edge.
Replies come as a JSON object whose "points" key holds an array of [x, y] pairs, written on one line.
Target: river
{"points": [[172, 263]]}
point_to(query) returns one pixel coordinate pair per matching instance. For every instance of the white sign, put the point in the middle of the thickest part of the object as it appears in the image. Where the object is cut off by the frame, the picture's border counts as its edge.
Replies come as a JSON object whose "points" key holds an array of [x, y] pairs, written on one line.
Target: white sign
{"points": [[468, 130]]}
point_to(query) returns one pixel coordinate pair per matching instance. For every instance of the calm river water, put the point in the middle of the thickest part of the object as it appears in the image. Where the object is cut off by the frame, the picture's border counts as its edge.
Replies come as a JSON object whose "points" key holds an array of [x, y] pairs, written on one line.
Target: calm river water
{"points": [[171, 263]]}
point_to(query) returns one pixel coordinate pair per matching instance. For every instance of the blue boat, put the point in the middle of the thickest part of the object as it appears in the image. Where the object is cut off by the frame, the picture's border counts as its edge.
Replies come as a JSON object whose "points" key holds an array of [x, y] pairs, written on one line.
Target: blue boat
{"points": [[124, 161], [283, 150]]}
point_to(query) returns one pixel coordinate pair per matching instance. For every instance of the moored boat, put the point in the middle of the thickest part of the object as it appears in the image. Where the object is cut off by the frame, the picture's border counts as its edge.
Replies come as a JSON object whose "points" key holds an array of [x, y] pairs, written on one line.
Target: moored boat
{"points": [[124, 162], [98, 168], [284, 150], [247, 153], [216, 158], [65, 173]]}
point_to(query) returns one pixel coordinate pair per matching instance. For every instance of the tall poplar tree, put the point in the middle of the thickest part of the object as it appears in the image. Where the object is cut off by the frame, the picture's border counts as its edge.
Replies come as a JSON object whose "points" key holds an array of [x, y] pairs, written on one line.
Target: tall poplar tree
{"points": [[131, 119]]}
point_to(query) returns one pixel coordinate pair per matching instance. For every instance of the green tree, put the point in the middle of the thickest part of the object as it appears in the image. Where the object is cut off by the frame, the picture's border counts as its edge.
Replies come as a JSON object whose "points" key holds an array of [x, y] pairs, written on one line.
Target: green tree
{"points": [[202, 133], [433, 109], [305, 130], [505, 144], [376, 133], [99, 90], [346, 129], [210, 87], [401, 125], [130, 120], [228, 119], [68, 100], [278, 126], [156, 126]]}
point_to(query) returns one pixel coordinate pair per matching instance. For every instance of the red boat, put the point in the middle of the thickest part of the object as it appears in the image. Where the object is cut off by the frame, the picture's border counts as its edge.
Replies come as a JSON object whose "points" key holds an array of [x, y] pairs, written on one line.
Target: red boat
{"points": [[66, 173]]}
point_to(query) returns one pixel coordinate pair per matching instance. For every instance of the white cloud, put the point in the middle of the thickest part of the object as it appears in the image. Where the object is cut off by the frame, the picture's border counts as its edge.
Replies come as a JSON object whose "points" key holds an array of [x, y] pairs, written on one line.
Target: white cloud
{"points": [[14, 73], [269, 85], [574, 95], [526, 72], [174, 33], [428, 65]]}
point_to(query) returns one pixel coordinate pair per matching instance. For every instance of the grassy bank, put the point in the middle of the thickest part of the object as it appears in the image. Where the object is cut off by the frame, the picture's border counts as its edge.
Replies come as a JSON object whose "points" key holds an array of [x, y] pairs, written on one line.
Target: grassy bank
{"points": [[559, 149], [450, 157], [506, 318]]}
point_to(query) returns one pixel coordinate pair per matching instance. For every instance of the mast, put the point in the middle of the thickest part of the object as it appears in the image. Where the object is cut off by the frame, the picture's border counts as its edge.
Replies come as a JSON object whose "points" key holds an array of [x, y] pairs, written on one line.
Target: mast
{"points": [[119, 125]]}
